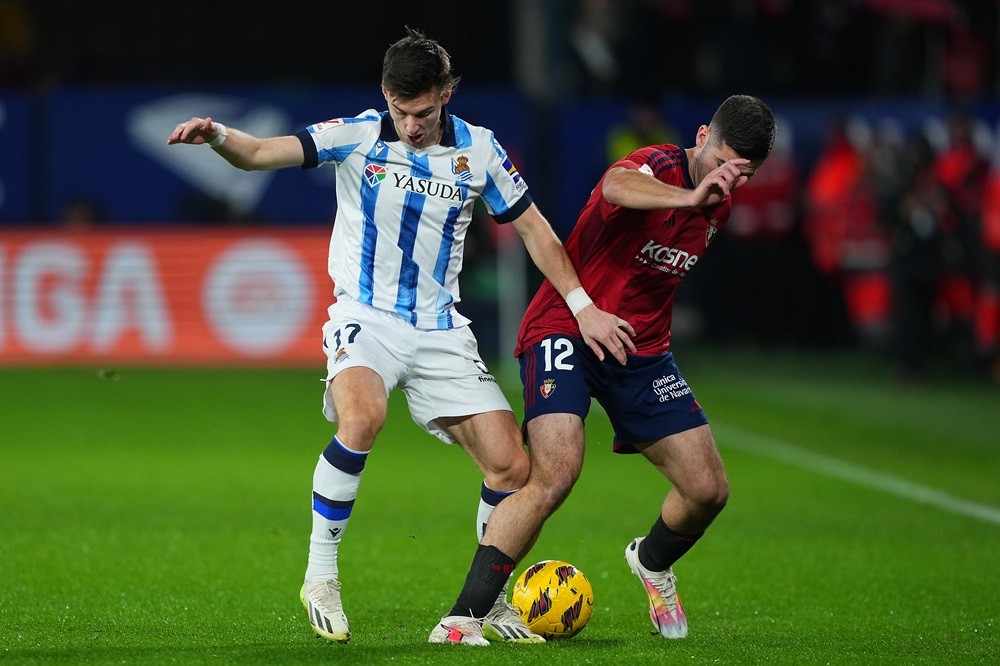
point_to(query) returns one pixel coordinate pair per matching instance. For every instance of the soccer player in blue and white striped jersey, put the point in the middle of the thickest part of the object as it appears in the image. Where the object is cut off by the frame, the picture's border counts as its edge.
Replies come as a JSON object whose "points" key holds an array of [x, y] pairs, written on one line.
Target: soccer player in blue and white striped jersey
{"points": [[407, 180]]}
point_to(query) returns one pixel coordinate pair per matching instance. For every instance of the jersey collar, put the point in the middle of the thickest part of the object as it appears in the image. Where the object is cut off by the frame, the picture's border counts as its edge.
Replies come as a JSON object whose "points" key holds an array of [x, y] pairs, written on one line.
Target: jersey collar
{"points": [[685, 169]]}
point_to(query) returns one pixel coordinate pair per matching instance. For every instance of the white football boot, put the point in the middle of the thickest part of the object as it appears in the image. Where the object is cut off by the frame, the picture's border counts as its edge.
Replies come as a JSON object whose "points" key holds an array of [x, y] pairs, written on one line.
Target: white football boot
{"points": [[321, 599], [503, 623], [458, 630]]}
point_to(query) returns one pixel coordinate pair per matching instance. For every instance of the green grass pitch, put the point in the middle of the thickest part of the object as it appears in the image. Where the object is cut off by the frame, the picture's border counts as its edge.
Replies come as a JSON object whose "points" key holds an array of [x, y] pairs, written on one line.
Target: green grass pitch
{"points": [[162, 516]]}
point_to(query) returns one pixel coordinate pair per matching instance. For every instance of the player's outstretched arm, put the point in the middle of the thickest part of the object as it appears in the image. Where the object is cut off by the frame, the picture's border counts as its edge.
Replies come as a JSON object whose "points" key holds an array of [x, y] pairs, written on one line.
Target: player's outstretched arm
{"points": [[238, 148], [641, 190], [600, 330], [195, 131]]}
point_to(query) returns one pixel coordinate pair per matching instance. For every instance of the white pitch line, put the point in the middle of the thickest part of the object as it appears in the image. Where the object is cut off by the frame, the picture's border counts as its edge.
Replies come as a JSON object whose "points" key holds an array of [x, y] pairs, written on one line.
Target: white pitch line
{"points": [[799, 457]]}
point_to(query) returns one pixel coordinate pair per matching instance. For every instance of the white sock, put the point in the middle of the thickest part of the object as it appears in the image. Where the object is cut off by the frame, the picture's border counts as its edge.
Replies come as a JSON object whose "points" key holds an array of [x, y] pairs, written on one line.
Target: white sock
{"points": [[335, 487]]}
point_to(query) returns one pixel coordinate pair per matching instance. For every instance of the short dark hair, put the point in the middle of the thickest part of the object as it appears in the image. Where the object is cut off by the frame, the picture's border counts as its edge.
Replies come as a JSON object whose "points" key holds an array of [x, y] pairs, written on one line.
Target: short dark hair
{"points": [[746, 125], [415, 65]]}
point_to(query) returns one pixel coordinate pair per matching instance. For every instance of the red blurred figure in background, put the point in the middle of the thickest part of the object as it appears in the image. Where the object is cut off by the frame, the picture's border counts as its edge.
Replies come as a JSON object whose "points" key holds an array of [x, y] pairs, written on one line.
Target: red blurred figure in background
{"points": [[961, 171], [841, 226], [987, 331]]}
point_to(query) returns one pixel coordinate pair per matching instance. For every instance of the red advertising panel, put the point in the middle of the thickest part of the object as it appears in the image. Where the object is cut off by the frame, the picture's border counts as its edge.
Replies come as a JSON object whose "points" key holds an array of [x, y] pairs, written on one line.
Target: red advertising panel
{"points": [[176, 295]]}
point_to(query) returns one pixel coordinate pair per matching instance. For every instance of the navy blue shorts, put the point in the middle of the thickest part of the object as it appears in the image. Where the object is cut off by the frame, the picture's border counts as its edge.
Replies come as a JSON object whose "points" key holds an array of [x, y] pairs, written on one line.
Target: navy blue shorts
{"points": [[647, 399]]}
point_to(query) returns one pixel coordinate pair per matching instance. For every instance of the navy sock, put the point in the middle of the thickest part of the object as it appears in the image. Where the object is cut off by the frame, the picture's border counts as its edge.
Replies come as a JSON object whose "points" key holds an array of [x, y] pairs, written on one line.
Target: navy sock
{"points": [[662, 546], [487, 576]]}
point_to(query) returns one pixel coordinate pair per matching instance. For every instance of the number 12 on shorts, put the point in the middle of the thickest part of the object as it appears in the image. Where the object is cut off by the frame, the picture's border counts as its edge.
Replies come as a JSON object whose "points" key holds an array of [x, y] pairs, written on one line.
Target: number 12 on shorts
{"points": [[557, 350]]}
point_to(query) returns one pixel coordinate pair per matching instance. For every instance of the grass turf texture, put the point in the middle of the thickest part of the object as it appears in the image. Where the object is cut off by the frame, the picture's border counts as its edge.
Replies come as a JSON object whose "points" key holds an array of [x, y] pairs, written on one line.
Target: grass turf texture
{"points": [[162, 516]]}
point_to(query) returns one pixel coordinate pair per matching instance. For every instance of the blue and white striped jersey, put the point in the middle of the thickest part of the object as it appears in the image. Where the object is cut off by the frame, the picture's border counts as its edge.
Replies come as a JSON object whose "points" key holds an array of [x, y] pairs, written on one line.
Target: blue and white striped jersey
{"points": [[402, 212]]}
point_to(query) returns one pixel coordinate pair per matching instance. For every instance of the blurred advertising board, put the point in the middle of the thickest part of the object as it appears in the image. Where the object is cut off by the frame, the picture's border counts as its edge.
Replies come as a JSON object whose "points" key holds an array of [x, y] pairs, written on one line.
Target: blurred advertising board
{"points": [[164, 296]]}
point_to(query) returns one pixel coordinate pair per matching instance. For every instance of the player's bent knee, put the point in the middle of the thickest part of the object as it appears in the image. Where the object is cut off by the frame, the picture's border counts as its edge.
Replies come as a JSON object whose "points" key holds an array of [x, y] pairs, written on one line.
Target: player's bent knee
{"points": [[359, 427], [718, 502], [551, 490], [512, 475], [710, 496]]}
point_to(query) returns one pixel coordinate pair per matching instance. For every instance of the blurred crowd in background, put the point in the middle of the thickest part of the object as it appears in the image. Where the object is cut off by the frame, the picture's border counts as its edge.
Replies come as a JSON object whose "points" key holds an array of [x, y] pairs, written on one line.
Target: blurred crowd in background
{"points": [[826, 47], [572, 47], [888, 239]]}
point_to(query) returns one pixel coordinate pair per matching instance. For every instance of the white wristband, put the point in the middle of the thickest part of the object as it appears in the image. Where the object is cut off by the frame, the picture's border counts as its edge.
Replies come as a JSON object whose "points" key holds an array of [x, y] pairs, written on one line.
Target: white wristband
{"points": [[220, 137], [578, 300]]}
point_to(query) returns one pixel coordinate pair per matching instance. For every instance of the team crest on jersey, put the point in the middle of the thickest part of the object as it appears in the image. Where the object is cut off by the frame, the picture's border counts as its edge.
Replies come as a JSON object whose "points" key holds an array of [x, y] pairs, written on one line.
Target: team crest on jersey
{"points": [[460, 167], [341, 355], [547, 388], [712, 230], [374, 174]]}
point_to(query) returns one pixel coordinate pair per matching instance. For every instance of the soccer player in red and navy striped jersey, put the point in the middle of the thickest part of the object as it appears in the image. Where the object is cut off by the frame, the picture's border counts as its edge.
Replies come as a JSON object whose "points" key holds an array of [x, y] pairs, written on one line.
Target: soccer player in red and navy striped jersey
{"points": [[649, 221]]}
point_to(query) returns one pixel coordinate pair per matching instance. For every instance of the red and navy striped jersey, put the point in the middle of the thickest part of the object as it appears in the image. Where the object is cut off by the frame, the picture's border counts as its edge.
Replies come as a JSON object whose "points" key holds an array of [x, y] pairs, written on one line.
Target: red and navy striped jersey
{"points": [[630, 261]]}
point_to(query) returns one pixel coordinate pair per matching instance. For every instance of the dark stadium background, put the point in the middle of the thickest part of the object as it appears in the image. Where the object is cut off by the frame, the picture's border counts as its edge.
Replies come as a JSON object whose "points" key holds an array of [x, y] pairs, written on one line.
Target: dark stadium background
{"points": [[554, 78], [775, 47]]}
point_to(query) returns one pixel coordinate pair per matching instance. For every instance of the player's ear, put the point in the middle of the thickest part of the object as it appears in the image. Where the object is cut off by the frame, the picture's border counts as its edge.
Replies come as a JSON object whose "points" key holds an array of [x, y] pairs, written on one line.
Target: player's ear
{"points": [[701, 138], [446, 96]]}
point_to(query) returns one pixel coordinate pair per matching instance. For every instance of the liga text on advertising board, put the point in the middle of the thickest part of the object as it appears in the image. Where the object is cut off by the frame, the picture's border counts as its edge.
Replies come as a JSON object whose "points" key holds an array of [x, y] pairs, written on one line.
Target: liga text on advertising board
{"points": [[171, 295]]}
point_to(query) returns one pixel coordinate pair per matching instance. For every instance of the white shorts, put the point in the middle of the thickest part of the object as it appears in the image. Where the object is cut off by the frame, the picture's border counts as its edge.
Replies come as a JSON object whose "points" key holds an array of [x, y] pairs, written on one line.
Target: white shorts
{"points": [[440, 371]]}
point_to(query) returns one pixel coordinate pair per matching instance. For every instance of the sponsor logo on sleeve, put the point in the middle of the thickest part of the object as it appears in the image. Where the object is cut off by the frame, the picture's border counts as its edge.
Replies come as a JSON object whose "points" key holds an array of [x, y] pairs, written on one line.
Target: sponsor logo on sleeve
{"points": [[515, 176], [327, 124]]}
